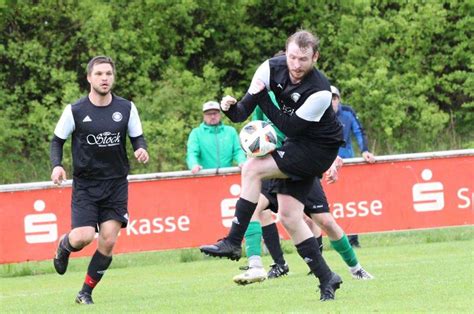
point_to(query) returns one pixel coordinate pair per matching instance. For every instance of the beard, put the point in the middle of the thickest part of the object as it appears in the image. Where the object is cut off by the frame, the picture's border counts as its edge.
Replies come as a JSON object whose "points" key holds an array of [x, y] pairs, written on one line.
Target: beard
{"points": [[101, 92]]}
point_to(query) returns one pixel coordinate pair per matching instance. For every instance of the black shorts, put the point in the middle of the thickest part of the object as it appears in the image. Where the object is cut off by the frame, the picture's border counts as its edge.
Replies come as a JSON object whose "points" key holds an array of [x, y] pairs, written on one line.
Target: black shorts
{"points": [[316, 202], [299, 159], [97, 201], [302, 162], [267, 186]]}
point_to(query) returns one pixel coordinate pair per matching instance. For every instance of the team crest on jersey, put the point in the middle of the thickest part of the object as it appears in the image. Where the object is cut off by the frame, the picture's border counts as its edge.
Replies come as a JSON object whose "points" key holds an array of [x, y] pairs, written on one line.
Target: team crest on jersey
{"points": [[295, 97], [117, 116]]}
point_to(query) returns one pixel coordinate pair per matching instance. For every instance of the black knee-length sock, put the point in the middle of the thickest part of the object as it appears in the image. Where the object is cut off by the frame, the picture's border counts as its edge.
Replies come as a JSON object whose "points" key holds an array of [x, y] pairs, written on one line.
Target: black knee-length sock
{"points": [[65, 244], [308, 250], [272, 241], [97, 267], [320, 243], [243, 213]]}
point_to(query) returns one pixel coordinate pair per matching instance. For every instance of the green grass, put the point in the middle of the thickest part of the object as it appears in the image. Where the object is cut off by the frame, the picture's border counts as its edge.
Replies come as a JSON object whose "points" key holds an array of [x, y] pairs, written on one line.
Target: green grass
{"points": [[419, 271]]}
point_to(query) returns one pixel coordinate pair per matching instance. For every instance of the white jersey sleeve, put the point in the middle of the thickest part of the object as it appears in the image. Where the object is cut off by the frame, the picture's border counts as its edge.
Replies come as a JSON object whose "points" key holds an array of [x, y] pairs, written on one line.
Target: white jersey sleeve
{"points": [[66, 124], [315, 105], [134, 123], [262, 74]]}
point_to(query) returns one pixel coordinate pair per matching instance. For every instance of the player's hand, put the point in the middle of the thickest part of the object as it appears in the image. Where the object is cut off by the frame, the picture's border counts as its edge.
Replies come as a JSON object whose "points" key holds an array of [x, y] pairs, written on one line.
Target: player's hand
{"points": [[256, 87], [368, 157], [338, 162], [142, 155], [196, 169], [227, 101], [58, 175], [332, 175]]}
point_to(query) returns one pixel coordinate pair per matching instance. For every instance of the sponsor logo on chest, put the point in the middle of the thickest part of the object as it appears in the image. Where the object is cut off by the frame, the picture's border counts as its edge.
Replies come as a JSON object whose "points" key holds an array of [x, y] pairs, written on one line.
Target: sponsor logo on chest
{"points": [[104, 139]]}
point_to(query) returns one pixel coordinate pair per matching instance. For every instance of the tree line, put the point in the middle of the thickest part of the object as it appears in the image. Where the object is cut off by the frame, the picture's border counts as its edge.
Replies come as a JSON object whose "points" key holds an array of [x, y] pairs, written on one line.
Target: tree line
{"points": [[405, 67]]}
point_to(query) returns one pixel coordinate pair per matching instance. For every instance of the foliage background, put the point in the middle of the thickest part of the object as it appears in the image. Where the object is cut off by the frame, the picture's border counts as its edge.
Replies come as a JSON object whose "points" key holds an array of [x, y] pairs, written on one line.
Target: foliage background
{"points": [[406, 67]]}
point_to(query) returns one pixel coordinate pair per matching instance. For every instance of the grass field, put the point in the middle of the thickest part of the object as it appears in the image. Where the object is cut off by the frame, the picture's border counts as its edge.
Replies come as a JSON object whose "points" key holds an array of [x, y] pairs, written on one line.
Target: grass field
{"points": [[418, 271]]}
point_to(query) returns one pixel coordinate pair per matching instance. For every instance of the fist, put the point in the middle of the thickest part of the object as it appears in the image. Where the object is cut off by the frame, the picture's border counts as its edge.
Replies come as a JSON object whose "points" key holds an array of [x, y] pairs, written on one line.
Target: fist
{"points": [[227, 101], [141, 155], [58, 175]]}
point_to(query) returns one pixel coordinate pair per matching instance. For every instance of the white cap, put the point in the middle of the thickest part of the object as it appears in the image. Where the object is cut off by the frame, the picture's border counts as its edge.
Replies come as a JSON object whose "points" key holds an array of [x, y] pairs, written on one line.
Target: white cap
{"points": [[211, 105], [335, 91]]}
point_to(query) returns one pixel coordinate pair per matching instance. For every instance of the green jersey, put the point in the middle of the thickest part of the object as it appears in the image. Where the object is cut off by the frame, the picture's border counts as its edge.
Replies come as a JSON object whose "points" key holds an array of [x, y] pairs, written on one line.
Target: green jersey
{"points": [[259, 115]]}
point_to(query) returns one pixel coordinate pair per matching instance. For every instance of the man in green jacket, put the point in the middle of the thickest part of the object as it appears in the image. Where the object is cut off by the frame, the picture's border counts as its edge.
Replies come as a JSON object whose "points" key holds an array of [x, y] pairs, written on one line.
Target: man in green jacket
{"points": [[213, 144]]}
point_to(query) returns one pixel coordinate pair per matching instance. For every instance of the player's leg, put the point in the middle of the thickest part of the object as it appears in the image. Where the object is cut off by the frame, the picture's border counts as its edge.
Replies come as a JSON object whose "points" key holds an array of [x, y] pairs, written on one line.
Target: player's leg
{"points": [[112, 215], [253, 171], [70, 242], [291, 214], [340, 243], [316, 230], [101, 259], [318, 207], [279, 267], [272, 242], [253, 246], [84, 214], [354, 240]]}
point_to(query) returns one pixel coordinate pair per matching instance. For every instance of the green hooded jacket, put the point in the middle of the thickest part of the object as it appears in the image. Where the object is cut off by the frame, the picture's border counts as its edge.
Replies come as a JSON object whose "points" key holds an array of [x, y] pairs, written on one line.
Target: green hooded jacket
{"points": [[214, 147]]}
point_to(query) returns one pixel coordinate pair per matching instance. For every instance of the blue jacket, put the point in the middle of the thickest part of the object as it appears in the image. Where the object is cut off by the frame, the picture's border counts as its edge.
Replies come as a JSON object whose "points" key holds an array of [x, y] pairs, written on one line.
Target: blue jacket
{"points": [[350, 124]]}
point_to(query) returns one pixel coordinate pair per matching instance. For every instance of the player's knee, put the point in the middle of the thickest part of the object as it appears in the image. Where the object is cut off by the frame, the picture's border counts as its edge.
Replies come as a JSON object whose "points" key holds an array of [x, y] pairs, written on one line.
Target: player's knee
{"points": [[108, 242], [251, 170], [326, 224], [288, 219], [83, 239], [265, 217], [330, 226]]}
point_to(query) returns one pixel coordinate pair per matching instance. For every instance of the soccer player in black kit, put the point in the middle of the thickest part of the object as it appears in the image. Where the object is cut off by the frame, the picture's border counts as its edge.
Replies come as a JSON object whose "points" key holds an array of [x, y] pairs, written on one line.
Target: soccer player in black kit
{"points": [[99, 124], [313, 139]]}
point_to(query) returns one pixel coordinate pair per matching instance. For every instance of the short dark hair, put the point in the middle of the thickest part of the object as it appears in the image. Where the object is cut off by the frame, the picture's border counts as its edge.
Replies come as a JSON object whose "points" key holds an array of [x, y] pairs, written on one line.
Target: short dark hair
{"points": [[100, 60], [304, 39]]}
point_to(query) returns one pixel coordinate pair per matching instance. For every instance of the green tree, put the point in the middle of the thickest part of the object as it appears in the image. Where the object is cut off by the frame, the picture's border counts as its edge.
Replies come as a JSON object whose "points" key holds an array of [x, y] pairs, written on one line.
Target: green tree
{"points": [[406, 67]]}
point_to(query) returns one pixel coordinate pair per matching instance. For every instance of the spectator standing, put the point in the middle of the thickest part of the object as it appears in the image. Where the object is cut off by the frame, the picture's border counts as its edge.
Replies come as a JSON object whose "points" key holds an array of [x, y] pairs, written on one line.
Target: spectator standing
{"points": [[213, 144], [351, 126]]}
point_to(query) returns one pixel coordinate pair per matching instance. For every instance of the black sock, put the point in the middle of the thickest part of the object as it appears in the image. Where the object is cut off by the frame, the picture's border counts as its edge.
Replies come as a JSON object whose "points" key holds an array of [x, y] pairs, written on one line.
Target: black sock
{"points": [[243, 213], [65, 244], [353, 239], [308, 250], [320, 243], [97, 267], [272, 241]]}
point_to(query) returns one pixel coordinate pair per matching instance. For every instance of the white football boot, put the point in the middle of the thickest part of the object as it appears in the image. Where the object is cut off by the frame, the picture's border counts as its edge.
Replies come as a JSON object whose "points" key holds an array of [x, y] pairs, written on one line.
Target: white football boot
{"points": [[251, 275], [360, 273]]}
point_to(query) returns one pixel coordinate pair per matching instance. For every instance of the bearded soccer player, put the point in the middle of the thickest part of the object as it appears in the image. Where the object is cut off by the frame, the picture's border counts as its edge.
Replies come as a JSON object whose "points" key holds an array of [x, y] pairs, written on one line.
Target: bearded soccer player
{"points": [[98, 124], [314, 135]]}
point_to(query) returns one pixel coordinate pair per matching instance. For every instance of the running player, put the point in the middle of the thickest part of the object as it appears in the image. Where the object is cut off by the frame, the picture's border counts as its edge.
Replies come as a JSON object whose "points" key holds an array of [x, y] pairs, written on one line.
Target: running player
{"points": [[98, 124]]}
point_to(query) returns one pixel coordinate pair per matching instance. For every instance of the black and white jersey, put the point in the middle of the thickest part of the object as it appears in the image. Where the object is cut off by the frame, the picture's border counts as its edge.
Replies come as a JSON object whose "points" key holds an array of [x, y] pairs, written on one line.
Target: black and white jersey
{"points": [[99, 136], [309, 100]]}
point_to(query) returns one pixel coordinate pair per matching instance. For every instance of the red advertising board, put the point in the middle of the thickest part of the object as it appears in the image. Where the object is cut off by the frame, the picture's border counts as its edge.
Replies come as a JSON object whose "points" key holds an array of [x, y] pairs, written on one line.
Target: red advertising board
{"points": [[189, 211]]}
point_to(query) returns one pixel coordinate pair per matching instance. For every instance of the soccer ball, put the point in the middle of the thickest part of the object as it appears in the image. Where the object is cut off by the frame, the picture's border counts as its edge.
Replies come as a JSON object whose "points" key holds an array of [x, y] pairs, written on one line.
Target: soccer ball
{"points": [[258, 138]]}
